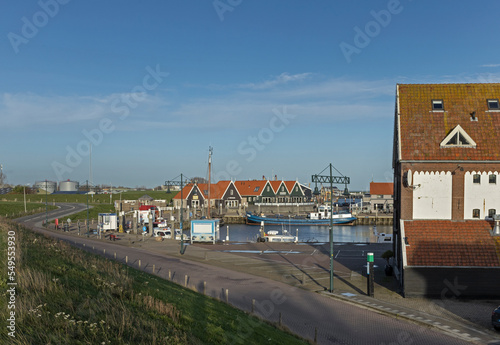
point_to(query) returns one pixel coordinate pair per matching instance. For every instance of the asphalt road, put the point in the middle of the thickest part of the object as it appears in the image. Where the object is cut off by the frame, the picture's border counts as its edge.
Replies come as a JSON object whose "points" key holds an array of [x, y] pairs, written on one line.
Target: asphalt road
{"points": [[305, 313]]}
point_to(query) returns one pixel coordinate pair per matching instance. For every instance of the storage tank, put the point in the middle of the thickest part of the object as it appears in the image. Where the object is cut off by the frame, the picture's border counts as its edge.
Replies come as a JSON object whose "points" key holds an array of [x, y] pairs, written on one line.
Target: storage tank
{"points": [[48, 186], [68, 186]]}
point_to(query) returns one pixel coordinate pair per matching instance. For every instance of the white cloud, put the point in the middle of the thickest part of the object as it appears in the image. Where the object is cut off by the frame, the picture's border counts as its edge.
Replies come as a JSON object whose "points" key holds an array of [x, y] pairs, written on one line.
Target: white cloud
{"points": [[491, 65], [321, 101]]}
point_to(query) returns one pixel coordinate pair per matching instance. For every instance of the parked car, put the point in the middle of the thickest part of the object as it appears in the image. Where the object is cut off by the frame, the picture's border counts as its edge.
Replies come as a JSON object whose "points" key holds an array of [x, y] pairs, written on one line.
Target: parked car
{"points": [[495, 318]]}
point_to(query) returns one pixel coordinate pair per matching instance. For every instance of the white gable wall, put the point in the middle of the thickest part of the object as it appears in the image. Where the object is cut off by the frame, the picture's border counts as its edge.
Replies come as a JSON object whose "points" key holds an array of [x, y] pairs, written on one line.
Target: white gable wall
{"points": [[482, 196], [432, 195]]}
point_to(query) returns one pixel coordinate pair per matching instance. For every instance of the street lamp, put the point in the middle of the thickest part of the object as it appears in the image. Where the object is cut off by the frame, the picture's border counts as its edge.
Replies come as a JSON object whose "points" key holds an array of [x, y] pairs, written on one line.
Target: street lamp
{"points": [[331, 179], [46, 207], [181, 184]]}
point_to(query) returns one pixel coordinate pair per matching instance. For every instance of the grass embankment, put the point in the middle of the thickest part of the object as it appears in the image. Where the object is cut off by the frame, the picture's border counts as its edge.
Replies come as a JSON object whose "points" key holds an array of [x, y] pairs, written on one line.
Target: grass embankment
{"points": [[92, 199], [12, 209], [67, 296]]}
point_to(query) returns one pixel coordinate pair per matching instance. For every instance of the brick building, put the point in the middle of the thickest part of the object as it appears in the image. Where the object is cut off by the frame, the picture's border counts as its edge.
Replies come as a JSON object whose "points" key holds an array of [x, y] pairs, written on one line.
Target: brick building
{"points": [[446, 161]]}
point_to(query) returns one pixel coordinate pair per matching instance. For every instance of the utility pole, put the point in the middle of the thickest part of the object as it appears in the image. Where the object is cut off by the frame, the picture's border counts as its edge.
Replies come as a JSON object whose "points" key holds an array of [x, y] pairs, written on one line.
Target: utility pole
{"points": [[331, 180]]}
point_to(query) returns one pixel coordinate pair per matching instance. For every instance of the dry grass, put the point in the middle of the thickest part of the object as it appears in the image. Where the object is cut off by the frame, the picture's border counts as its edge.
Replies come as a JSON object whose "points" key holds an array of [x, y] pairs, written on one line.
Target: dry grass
{"points": [[68, 296]]}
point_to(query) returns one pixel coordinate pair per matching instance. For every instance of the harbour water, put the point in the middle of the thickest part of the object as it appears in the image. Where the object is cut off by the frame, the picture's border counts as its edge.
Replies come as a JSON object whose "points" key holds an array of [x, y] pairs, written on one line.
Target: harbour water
{"points": [[307, 233]]}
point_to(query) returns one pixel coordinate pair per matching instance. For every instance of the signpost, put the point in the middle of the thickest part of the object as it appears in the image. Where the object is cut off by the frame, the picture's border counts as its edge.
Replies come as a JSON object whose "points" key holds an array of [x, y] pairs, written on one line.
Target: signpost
{"points": [[370, 273]]}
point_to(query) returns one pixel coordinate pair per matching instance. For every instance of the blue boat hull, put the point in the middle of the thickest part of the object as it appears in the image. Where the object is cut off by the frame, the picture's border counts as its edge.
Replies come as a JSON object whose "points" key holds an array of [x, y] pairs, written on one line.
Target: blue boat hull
{"points": [[254, 219]]}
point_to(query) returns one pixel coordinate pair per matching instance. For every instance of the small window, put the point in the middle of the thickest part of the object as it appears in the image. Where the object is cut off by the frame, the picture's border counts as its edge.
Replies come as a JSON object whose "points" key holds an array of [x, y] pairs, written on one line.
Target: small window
{"points": [[256, 189], [476, 179], [493, 179], [437, 104], [493, 104], [491, 212], [231, 192], [475, 213]]}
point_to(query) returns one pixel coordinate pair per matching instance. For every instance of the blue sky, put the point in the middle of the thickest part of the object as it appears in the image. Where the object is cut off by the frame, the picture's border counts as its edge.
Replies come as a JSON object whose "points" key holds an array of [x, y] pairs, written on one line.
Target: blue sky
{"points": [[275, 87]]}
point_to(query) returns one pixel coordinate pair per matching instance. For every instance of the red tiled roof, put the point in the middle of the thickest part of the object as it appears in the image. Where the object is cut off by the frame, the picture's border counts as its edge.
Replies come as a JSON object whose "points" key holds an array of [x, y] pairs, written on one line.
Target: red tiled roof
{"points": [[217, 190], [248, 188], [289, 185], [185, 192], [451, 243], [422, 130], [275, 185], [382, 188]]}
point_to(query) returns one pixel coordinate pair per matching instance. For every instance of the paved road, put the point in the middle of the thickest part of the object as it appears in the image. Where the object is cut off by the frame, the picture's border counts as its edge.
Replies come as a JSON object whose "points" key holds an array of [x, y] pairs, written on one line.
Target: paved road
{"points": [[305, 313]]}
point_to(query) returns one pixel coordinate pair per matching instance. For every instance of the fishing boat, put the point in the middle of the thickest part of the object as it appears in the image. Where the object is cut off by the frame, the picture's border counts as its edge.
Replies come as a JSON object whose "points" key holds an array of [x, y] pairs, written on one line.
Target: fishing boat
{"points": [[321, 217]]}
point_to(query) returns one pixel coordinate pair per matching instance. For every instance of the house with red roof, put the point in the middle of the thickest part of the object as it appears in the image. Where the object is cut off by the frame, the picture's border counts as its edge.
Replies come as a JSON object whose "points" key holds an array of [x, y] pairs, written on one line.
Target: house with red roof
{"points": [[446, 160], [271, 192], [223, 195], [381, 196]]}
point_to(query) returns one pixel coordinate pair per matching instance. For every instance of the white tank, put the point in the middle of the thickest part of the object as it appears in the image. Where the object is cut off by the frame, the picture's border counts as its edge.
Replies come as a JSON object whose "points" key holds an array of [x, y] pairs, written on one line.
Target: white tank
{"points": [[68, 186], [48, 186]]}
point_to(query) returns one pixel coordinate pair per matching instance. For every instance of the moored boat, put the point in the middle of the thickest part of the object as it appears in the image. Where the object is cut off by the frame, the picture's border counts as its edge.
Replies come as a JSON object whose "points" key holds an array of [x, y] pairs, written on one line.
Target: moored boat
{"points": [[321, 217]]}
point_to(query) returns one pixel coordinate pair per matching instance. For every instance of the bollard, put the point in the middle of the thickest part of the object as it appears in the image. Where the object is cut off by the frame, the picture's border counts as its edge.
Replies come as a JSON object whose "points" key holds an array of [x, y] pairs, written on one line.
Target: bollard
{"points": [[126, 259], [227, 296], [153, 268], [204, 288], [104, 252], [139, 263], [169, 275], [114, 255], [185, 280], [253, 305], [303, 278]]}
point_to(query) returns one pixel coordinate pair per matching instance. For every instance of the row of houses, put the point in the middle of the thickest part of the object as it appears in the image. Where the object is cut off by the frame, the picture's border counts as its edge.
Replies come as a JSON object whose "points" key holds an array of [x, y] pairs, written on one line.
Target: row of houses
{"points": [[233, 194]]}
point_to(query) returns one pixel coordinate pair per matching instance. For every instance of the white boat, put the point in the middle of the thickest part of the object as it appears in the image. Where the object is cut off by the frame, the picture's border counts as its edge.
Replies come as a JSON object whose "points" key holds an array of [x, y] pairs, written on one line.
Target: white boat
{"points": [[165, 233], [275, 236], [338, 217]]}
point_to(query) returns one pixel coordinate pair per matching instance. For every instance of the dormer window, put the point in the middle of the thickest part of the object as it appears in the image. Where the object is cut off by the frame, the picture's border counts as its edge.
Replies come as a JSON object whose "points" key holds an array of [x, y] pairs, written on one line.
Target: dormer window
{"points": [[493, 104], [458, 138], [437, 105]]}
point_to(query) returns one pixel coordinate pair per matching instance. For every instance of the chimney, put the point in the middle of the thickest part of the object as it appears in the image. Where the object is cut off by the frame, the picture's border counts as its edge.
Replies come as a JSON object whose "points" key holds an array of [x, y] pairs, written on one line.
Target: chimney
{"points": [[496, 229]]}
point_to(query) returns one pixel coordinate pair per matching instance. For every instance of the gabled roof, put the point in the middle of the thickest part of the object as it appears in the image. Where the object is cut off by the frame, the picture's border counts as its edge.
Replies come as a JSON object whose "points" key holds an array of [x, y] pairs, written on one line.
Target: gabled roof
{"points": [[381, 188], [275, 185], [420, 130], [289, 185], [185, 191], [250, 188], [451, 243]]}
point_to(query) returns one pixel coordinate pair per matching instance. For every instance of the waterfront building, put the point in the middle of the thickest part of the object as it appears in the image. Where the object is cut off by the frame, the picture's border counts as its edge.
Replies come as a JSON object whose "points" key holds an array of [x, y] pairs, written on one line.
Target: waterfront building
{"points": [[382, 196], [446, 161]]}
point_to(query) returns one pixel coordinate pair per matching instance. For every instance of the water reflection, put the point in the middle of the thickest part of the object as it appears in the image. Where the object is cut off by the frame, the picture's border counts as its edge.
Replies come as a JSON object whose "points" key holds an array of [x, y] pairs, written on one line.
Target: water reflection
{"points": [[307, 233]]}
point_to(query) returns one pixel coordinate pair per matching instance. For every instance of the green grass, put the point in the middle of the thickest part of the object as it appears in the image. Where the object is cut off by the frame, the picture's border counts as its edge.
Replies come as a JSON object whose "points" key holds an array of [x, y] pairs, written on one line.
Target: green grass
{"points": [[82, 198], [67, 296], [12, 209]]}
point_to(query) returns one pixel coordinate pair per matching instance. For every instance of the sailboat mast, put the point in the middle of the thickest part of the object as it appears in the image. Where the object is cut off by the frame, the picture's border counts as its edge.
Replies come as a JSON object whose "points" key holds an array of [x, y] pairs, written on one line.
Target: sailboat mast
{"points": [[210, 151]]}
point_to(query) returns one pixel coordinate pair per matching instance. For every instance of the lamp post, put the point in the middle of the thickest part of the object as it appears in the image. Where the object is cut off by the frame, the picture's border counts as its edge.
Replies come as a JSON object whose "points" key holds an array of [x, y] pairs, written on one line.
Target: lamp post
{"points": [[88, 208], [181, 184], [331, 180], [46, 208]]}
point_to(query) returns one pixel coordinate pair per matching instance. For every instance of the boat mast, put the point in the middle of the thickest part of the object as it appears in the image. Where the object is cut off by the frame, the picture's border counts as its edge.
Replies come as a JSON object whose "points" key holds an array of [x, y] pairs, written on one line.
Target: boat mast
{"points": [[210, 151]]}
